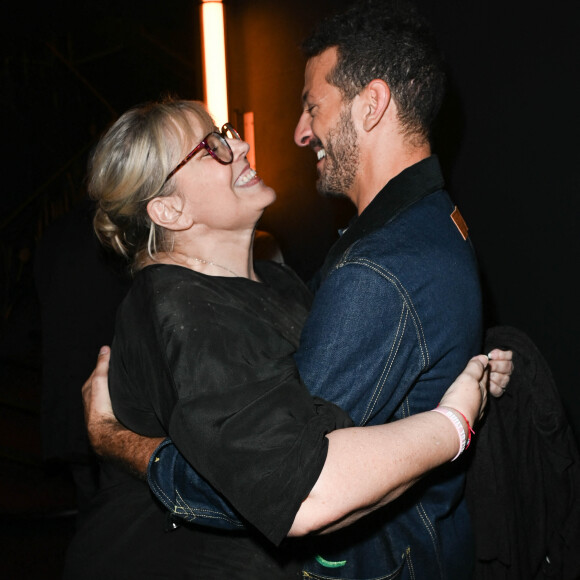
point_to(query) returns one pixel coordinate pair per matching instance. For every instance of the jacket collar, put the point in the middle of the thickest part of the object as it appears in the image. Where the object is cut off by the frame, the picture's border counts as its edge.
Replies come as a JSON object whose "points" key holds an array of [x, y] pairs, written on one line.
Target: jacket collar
{"points": [[403, 190]]}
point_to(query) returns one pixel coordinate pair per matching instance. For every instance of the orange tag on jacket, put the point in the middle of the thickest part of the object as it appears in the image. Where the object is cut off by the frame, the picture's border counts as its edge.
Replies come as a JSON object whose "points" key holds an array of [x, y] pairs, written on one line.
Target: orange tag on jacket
{"points": [[459, 222]]}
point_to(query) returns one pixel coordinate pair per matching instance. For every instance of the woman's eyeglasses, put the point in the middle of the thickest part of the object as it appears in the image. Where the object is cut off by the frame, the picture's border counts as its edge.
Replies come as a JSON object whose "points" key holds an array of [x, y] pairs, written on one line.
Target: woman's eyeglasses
{"points": [[216, 145]]}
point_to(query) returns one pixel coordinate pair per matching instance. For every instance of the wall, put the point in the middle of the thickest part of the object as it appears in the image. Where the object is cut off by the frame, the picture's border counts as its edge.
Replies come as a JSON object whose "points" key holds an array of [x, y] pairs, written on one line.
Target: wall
{"points": [[266, 74], [515, 167], [507, 140]]}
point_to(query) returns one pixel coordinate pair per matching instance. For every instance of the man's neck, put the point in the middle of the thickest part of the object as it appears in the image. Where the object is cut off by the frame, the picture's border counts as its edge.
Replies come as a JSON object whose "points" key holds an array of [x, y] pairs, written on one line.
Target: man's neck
{"points": [[378, 169]]}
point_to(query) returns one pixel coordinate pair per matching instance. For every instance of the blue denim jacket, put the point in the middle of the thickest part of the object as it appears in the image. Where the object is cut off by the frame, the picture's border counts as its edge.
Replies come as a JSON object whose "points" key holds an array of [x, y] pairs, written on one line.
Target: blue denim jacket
{"points": [[395, 318]]}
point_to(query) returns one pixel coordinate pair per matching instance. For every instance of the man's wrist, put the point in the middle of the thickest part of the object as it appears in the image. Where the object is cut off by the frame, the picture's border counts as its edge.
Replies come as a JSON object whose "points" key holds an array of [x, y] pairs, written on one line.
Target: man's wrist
{"points": [[130, 451], [102, 436]]}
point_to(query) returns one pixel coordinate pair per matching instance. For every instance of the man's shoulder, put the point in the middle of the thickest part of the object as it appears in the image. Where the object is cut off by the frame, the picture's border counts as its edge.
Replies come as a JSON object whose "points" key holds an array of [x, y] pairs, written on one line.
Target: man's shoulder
{"points": [[420, 256], [433, 209], [422, 233]]}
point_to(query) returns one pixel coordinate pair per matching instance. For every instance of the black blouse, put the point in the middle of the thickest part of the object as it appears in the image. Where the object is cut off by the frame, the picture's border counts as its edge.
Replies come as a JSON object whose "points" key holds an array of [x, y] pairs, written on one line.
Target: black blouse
{"points": [[208, 361]]}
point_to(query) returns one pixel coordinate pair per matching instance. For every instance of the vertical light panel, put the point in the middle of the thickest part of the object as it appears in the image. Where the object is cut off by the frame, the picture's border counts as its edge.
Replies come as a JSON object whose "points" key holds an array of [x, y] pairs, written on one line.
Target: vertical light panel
{"points": [[214, 59]]}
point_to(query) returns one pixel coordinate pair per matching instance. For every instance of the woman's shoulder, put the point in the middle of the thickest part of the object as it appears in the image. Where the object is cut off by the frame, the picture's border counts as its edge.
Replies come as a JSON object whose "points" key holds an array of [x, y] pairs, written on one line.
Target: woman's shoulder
{"points": [[159, 291], [273, 273], [163, 281], [284, 282]]}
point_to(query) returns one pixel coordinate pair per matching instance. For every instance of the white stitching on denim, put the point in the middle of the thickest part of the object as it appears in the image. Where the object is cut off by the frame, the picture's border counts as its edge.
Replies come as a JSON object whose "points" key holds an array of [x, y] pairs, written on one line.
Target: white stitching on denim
{"points": [[385, 372], [410, 561], [432, 530], [406, 407], [407, 298], [410, 308], [426, 521], [429, 527], [186, 512]]}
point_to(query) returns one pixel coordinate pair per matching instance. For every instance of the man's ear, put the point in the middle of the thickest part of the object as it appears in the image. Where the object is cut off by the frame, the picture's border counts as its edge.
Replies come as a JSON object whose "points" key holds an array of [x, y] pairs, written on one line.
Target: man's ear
{"points": [[376, 98], [167, 212]]}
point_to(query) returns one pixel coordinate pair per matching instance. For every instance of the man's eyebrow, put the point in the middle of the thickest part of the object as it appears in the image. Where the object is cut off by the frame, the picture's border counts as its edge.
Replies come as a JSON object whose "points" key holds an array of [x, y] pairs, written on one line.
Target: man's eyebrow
{"points": [[305, 96]]}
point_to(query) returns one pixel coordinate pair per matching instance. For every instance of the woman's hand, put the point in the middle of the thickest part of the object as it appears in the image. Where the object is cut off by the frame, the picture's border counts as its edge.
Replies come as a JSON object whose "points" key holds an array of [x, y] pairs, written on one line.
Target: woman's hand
{"points": [[468, 393], [483, 374], [500, 370]]}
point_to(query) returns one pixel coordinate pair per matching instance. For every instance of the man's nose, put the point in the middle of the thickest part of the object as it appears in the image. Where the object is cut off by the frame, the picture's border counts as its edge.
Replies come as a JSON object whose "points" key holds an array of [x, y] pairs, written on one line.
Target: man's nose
{"points": [[303, 131]]}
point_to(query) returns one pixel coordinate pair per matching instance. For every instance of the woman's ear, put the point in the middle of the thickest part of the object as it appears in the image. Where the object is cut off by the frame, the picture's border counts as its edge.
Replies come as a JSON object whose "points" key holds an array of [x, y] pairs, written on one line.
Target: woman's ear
{"points": [[167, 212], [376, 100]]}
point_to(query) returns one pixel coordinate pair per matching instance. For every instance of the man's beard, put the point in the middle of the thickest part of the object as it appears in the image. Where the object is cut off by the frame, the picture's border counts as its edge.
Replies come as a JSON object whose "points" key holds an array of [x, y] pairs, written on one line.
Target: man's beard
{"points": [[342, 160]]}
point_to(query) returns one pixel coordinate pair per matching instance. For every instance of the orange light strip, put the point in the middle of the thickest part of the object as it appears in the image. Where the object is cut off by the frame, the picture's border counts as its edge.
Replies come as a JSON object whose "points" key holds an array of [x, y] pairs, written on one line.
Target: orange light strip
{"points": [[214, 59]]}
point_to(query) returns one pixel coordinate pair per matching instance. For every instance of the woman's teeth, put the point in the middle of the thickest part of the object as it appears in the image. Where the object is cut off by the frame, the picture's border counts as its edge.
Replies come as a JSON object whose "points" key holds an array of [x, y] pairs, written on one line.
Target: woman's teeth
{"points": [[249, 175]]}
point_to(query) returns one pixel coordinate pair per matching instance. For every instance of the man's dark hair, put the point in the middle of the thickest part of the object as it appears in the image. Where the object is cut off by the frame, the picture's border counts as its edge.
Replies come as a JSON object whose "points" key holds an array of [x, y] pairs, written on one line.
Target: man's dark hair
{"points": [[388, 40]]}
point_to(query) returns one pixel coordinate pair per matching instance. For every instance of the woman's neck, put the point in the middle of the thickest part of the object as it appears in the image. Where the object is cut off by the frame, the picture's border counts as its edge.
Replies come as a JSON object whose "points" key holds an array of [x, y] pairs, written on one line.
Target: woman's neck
{"points": [[227, 258]]}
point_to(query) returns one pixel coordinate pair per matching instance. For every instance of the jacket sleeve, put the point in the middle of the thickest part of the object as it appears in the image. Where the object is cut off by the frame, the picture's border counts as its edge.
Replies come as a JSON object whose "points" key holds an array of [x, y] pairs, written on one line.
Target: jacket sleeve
{"points": [[185, 493], [189, 497], [362, 346]]}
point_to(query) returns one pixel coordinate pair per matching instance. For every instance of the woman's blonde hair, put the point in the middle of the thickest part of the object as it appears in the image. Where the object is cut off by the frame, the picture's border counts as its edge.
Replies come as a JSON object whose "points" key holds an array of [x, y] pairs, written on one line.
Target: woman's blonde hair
{"points": [[128, 168]]}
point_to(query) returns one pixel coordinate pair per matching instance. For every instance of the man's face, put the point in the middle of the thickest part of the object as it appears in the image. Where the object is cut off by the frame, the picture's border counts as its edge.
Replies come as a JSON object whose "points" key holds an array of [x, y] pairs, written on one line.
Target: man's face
{"points": [[326, 126]]}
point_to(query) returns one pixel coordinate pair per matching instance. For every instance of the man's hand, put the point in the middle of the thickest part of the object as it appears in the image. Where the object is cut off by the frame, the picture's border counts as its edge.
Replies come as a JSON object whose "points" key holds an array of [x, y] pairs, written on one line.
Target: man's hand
{"points": [[96, 400], [108, 437]]}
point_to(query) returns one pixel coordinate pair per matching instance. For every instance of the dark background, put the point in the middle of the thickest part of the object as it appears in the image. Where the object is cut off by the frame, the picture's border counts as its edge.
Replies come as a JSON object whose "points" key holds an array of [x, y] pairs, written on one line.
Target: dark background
{"points": [[508, 140]]}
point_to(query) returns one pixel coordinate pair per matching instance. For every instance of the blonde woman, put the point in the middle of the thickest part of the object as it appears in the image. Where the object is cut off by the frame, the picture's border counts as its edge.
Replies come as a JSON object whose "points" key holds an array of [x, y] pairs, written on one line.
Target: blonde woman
{"points": [[203, 354]]}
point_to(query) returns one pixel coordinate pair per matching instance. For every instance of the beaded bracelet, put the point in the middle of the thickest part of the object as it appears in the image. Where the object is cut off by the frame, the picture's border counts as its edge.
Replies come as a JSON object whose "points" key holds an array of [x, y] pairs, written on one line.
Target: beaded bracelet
{"points": [[458, 426]]}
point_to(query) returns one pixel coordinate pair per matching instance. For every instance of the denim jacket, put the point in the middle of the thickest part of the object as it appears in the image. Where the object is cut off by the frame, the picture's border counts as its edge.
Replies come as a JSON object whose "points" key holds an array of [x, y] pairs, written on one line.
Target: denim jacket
{"points": [[396, 316]]}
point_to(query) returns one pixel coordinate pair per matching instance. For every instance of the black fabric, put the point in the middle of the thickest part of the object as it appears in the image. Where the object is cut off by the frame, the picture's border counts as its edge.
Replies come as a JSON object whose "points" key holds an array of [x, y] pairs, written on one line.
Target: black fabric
{"points": [[208, 361], [128, 536], [80, 287], [523, 483]]}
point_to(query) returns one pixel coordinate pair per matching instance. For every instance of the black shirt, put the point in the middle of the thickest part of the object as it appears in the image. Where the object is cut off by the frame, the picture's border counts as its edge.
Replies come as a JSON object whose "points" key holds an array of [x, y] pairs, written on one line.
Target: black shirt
{"points": [[208, 361]]}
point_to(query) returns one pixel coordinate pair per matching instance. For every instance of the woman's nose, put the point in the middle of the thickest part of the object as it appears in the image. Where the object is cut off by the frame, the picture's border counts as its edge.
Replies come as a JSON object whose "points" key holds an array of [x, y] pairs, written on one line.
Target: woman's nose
{"points": [[239, 147]]}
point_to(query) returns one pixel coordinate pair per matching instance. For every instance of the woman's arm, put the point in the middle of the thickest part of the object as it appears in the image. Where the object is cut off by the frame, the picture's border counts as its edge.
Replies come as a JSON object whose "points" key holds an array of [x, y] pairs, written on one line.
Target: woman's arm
{"points": [[365, 467], [368, 467]]}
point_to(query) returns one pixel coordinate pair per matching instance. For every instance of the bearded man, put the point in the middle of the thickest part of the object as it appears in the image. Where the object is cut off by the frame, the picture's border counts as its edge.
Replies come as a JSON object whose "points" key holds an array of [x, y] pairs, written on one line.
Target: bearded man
{"points": [[397, 307]]}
